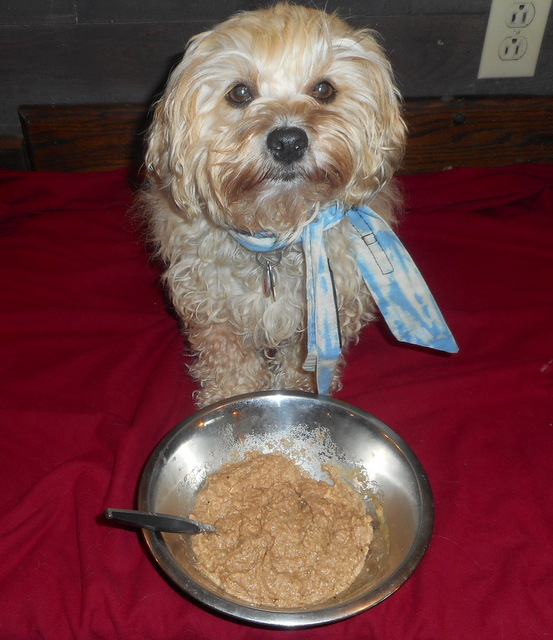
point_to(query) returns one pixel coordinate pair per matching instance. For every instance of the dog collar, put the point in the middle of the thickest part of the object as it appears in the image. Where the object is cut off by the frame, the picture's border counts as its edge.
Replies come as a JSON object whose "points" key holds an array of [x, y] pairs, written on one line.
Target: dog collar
{"points": [[265, 242], [389, 272]]}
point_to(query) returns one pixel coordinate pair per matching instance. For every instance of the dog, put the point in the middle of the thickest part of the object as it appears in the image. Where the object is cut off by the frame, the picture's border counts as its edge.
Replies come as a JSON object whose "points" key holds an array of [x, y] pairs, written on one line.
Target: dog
{"points": [[271, 117]]}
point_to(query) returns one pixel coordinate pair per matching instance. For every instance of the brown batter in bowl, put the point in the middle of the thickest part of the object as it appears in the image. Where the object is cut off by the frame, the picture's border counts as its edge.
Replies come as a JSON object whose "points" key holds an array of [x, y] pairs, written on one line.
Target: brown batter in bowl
{"points": [[284, 539]]}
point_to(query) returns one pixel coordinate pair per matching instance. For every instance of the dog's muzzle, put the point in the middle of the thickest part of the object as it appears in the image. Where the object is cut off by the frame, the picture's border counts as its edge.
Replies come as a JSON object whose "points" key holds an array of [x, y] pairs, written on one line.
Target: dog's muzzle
{"points": [[287, 144]]}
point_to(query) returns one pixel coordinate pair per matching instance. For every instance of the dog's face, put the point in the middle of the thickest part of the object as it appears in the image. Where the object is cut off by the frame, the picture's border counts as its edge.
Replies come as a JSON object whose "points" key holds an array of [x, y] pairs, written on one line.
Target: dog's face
{"points": [[274, 114]]}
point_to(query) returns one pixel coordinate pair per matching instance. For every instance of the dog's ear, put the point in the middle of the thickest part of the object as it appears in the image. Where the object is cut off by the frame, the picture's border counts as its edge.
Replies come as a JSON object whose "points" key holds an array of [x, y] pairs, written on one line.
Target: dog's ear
{"points": [[169, 164], [381, 127]]}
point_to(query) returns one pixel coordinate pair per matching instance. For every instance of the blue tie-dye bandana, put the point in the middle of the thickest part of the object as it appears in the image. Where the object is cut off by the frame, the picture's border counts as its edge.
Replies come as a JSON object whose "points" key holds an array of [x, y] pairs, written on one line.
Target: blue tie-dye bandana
{"points": [[389, 272]]}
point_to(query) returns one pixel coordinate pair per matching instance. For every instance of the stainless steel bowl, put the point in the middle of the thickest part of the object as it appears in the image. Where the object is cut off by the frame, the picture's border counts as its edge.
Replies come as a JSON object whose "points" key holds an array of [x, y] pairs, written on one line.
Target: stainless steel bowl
{"points": [[311, 430]]}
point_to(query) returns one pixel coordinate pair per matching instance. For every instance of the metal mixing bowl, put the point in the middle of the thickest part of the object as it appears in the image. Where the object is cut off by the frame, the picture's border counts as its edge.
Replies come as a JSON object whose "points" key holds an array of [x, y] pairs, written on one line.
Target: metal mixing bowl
{"points": [[311, 430]]}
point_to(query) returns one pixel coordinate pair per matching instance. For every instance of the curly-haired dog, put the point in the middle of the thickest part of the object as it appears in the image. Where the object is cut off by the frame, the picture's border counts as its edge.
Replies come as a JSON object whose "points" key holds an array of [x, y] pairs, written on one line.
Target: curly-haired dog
{"points": [[273, 121]]}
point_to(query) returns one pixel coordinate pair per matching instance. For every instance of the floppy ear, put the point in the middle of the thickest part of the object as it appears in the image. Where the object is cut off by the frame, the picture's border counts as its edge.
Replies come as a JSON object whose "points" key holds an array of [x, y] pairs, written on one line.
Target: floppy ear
{"points": [[389, 135], [380, 127], [169, 166]]}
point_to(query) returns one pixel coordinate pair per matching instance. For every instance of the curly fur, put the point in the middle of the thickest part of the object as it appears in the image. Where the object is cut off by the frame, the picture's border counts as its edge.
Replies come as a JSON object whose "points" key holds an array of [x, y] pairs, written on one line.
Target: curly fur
{"points": [[209, 169]]}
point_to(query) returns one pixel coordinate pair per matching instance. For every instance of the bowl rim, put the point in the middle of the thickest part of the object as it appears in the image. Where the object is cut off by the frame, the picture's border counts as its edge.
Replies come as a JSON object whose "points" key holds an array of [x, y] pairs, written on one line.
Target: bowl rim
{"points": [[294, 618]]}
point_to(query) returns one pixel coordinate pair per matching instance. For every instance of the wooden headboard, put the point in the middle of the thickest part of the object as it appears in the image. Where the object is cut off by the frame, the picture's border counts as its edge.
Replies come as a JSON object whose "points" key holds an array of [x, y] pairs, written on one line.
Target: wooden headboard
{"points": [[443, 134]]}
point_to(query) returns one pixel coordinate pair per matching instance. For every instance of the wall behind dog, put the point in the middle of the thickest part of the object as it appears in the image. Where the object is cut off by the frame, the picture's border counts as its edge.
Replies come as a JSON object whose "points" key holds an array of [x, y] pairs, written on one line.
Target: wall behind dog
{"points": [[105, 51]]}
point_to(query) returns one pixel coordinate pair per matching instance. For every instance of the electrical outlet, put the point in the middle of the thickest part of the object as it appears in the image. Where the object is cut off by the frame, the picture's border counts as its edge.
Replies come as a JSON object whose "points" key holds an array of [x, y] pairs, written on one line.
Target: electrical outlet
{"points": [[513, 48], [520, 15], [513, 38]]}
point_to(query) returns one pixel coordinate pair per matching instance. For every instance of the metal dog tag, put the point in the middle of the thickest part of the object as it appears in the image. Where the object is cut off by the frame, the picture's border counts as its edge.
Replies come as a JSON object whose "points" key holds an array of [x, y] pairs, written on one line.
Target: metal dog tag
{"points": [[268, 264], [269, 282]]}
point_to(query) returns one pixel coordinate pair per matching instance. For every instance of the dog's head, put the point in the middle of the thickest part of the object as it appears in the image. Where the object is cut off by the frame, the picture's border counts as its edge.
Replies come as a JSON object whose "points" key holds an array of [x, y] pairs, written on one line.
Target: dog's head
{"points": [[273, 114]]}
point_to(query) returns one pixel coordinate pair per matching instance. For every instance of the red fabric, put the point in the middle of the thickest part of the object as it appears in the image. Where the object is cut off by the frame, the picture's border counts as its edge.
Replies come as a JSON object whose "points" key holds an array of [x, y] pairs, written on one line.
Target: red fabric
{"points": [[93, 377]]}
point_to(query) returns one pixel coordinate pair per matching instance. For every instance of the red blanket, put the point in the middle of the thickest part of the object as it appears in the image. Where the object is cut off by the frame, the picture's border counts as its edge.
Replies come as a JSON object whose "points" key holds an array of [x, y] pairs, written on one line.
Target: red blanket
{"points": [[93, 376]]}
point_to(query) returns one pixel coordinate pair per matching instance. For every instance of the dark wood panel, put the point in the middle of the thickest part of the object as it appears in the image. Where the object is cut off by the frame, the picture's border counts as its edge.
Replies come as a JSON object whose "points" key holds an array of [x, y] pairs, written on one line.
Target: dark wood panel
{"points": [[87, 63], [84, 137], [478, 132], [38, 12], [29, 12], [450, 6], [108, 11], [93, 61], [458, 133]]}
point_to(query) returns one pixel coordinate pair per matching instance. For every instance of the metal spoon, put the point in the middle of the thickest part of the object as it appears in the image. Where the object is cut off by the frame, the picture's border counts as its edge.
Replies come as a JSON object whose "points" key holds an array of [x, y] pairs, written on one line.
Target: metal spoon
{"points": [[157, 521]]}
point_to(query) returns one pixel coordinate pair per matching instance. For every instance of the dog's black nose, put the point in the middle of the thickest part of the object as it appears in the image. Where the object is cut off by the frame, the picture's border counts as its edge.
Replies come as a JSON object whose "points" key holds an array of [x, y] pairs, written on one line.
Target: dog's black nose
{"points": [[287, 144]]}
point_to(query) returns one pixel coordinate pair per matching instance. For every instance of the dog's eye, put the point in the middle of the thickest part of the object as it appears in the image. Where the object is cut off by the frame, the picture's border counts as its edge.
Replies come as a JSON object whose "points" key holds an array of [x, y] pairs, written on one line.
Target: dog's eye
{"points": [[240, 95], [323, 91]]}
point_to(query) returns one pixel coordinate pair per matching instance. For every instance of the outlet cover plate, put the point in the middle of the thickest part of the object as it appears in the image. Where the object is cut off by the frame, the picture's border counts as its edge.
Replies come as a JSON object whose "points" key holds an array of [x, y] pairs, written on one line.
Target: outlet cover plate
{"points": [[513, 38]]}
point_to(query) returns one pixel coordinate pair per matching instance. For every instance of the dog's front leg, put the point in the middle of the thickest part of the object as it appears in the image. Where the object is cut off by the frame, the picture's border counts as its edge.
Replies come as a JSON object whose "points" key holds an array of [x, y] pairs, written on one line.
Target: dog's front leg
{"points": [[225, 364], [289, 371]]}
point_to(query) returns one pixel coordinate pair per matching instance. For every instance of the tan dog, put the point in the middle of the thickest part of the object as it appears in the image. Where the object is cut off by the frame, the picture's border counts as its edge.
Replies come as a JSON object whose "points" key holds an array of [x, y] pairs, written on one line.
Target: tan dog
{"points": [[268, 119]]}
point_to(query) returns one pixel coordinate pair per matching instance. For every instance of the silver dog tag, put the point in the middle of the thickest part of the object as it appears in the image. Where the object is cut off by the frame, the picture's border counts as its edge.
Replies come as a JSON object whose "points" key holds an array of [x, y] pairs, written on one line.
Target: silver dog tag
{"points": [[268, 264], [269, 282]]}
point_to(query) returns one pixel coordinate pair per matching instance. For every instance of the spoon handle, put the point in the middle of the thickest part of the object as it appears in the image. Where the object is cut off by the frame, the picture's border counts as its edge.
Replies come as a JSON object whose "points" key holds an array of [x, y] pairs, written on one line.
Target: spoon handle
{"points": [[157, 521]]}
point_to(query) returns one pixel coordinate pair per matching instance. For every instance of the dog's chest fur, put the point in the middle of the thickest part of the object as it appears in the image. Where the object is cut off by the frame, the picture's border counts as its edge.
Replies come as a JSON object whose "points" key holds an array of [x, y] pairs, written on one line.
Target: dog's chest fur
{"points": [[214, 279]]}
